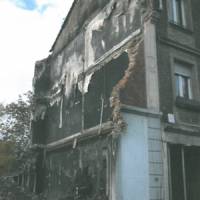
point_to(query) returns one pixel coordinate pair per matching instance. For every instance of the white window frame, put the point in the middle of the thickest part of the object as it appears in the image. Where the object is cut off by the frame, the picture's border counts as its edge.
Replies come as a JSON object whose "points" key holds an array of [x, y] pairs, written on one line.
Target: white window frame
{"points": [[181, 86], [183, 70]]}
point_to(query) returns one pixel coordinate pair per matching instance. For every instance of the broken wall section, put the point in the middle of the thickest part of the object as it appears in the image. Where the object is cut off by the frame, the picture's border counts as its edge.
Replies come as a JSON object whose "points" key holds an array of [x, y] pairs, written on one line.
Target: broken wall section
{"points": [[117, 21], [64, 114], [41, 85], [87, 86], [134, 91], [75, 22], [81, 83], [81, 173], [61, 96], [96, 108]]}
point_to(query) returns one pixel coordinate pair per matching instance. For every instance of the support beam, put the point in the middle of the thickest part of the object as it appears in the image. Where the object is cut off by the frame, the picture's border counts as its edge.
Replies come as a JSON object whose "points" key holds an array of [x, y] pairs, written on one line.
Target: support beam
{"points": [[92, 132]]}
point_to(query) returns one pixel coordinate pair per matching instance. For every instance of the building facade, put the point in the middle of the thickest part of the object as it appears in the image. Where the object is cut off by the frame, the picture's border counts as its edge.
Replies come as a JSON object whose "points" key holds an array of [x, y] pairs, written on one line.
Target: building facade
{"points": [[117, 103]]}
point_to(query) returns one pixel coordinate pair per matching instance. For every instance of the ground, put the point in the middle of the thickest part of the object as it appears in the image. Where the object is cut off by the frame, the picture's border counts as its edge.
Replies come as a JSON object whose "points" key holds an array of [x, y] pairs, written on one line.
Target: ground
{"points": [[9, 190]]}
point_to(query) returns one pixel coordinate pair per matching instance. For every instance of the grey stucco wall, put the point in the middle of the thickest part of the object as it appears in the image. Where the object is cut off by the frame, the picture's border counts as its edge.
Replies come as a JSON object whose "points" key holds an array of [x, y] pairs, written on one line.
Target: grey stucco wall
{"points": [[181, 43]]}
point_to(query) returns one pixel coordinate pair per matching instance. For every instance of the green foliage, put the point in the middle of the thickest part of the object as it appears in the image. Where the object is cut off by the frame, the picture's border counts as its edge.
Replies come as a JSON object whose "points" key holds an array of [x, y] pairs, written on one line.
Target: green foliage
{"points": [[7, 158], [15, 124]]}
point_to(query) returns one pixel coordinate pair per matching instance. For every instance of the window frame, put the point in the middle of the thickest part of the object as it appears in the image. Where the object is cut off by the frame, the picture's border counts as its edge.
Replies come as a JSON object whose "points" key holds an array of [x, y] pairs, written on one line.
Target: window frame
{"points": [[178, 12], [184, 86], [185, 15], [182, 91], [184, 57]]}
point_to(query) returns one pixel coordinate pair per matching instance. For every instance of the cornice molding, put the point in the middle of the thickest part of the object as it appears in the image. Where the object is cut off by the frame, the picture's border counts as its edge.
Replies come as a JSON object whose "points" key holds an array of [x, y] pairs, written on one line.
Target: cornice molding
{"points": [[175, 44]]}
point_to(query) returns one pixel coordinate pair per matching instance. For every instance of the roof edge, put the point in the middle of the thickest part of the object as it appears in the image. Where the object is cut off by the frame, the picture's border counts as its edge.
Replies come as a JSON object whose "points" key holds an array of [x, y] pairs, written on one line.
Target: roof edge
{"points": [[64, 24]]}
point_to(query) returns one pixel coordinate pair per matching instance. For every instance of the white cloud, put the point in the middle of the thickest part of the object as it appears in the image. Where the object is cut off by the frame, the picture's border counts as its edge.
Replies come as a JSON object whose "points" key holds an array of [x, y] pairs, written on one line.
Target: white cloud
{"points": [[26, 36]]}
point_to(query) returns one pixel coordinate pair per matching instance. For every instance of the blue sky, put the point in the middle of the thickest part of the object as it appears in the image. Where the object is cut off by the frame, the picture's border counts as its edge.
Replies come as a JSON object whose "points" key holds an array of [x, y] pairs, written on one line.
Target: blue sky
{"points": [[26, 4], [28, 30], [31, 5]]}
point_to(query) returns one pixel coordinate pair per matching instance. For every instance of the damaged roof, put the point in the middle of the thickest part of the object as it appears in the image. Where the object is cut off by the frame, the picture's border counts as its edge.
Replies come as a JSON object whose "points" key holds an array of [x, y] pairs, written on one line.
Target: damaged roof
{"points": [[79, 12], [64, 23]]}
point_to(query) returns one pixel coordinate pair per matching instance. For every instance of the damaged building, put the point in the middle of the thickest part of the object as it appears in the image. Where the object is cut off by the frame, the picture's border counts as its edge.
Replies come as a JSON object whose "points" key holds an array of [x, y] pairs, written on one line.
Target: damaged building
{"points": [[117, 110]]}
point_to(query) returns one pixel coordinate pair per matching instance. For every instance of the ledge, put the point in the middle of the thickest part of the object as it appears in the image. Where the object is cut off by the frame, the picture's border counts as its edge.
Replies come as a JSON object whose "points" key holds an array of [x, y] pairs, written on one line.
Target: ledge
{"points": [[37, 147], [188, 104], [179, 27], [141, 111], [175, 44], [182, 130], [105, 128]]}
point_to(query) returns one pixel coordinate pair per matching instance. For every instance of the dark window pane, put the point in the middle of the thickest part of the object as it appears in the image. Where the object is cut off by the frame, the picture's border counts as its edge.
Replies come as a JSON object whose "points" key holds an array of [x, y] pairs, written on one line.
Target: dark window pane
{"points": [[192, 165], [182, 86], [177, 187], [185, 86], [179, 12]]}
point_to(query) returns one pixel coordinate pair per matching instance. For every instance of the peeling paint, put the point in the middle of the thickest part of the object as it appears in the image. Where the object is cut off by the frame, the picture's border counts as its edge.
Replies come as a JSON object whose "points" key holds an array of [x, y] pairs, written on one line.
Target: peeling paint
{"points": [[61, 113], [133, 6], [71, 70], [119, 17], [39, 112], [84, 84], [86, 99], [103, 44], [40, 67]]}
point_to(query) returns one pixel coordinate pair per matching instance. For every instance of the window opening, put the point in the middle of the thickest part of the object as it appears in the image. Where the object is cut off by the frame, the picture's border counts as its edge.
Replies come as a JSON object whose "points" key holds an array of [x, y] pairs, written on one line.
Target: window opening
{"points": [[183, 74], [184, 171], [178, 12]]}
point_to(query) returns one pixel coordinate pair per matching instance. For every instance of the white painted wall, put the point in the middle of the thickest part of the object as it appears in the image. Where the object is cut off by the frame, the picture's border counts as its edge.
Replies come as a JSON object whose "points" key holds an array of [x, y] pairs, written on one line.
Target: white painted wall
{"points": [[132, 172]]}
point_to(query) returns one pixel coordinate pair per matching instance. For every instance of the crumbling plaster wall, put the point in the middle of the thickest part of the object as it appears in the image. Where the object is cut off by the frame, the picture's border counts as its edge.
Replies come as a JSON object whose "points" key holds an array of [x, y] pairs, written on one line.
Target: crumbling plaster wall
{"points": [[87, 82], [116, 22], [73, 75], [77, 19], [81, 173]]}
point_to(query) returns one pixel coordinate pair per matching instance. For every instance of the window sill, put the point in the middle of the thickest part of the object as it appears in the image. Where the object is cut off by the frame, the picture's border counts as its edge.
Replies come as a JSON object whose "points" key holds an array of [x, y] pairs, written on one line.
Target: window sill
{"points": [[188, 104], [182, 129], [179, 27]]}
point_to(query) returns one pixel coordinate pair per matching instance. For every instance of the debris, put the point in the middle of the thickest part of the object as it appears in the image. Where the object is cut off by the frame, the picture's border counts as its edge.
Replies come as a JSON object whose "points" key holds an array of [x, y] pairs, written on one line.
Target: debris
{"points": [[115, 96]]}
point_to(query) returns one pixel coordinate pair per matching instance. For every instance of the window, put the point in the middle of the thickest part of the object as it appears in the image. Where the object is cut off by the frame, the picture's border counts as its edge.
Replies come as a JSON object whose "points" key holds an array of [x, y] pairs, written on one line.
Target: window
{"points": [[184, 172], [178, 12], [183, 82]]}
